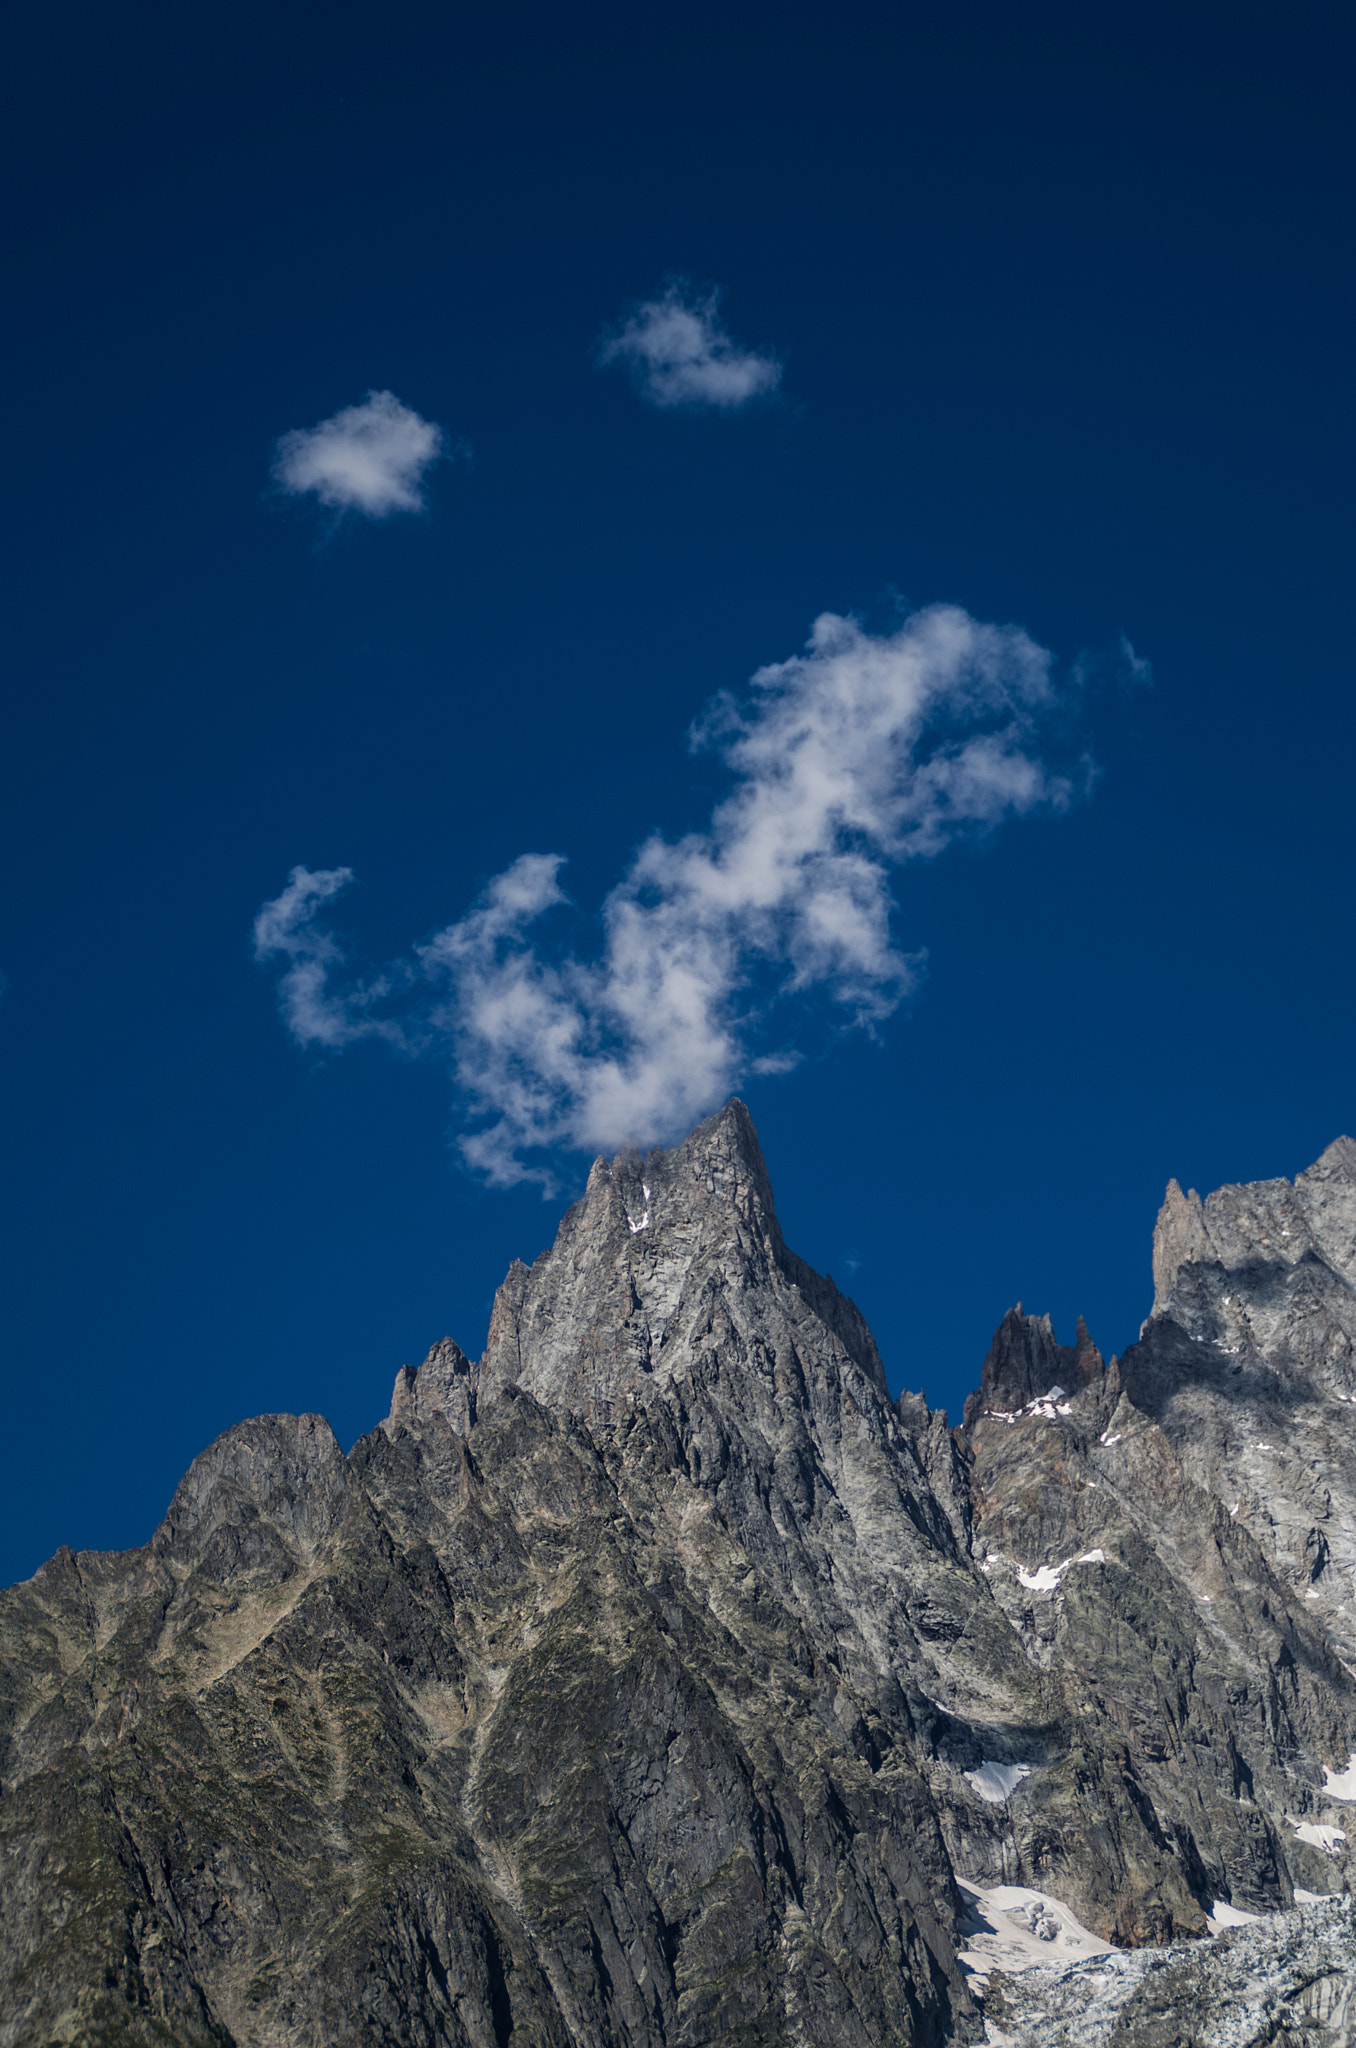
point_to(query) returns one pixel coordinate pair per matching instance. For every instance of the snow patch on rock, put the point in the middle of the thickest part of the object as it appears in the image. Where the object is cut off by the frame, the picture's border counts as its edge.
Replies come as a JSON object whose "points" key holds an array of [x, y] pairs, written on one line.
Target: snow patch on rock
{"points": [[997, 1782], [1222, 1915], [1341, 1784], [1319, 1837], [1046, 1577], [1009, 1927]]}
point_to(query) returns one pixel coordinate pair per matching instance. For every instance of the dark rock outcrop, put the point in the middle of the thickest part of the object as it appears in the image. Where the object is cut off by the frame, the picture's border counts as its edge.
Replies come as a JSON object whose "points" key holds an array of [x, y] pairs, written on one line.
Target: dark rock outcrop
{"points": [[1025, 1364]]}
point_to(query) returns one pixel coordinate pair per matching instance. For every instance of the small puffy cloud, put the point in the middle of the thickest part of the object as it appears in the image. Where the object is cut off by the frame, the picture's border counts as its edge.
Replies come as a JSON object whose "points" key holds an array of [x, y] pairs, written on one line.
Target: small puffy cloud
{"points": [[860, 755], [680, 355], [369, 458]]}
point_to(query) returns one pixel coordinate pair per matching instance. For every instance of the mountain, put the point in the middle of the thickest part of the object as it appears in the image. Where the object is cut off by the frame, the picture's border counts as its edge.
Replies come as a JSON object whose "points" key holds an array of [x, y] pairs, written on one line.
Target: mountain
{"points": [[656, 1678]]}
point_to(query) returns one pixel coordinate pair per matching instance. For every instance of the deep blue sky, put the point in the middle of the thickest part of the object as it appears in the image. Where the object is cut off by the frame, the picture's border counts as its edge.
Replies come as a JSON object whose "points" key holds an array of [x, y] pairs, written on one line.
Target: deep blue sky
{"points": [[1063, 297]]}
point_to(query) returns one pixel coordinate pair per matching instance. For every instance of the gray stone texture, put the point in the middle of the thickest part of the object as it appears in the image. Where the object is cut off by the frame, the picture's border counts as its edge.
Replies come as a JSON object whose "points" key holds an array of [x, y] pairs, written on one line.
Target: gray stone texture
{"points": [[1289, 1983]]}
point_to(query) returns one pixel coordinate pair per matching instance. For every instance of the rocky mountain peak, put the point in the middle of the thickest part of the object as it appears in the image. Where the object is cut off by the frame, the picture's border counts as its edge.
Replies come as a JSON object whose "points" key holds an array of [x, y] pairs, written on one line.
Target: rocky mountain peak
{"points": [[664, 1251], [445, 1383], [718, 1170], [1180, 1236], [1258, 1222], [1025, 1363], [1248, 1365], [654, 1679], [666, 1255]]}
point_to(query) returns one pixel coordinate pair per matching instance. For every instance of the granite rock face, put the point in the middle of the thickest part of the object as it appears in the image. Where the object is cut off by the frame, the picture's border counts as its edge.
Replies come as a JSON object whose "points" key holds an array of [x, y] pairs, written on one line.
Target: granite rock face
{"points": [[653, 1678], [1248, 1364]]}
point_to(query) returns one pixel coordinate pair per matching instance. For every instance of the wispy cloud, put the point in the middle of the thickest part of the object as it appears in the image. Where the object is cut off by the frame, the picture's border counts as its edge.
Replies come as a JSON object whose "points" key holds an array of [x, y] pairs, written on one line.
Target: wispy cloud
{"points": [[856, 757], [287, 928], [369, 458], [1137, 672], [680, 355]]}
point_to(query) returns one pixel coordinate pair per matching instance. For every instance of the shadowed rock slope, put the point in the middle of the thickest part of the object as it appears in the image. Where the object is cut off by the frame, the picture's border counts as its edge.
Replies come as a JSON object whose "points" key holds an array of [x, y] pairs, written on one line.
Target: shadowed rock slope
{"points": [[651, 1679]]}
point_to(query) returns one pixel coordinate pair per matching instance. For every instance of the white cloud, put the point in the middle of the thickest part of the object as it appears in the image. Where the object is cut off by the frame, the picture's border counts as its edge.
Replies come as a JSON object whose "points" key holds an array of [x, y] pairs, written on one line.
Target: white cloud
{"points": [[680, 354], [859, 755], [369, 458], [286, 928]]}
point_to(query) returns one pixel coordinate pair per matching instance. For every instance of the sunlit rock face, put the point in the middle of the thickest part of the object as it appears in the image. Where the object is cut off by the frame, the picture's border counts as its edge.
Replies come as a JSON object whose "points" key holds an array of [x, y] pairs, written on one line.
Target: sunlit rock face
{"points": [[656, 1677], [1248, 1364]]}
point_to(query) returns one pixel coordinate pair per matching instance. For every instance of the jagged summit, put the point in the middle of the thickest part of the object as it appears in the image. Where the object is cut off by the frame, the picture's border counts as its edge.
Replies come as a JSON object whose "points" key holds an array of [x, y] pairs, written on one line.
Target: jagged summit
{"points": [[1025, 1364], [1248, 1364], [721, 1154], [661, 1249], [1277, 1221]]}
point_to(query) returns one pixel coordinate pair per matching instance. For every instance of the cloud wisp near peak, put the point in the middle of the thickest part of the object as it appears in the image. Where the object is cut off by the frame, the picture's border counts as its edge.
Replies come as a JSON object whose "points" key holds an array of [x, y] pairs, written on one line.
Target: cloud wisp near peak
{"points": [[852, 759]]}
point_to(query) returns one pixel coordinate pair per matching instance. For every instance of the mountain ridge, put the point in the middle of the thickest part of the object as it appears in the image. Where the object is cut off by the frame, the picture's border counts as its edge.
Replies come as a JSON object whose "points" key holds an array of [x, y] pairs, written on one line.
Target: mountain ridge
{"points": [[656, 1676]]}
